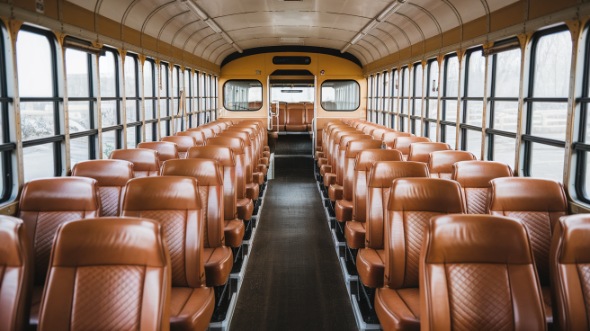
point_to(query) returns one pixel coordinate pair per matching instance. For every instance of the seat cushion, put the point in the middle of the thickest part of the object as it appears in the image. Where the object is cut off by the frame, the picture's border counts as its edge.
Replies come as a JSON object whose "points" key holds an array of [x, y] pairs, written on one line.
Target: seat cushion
{"points": [[329, 179], [370, 266], [234, 232], [335, 192], [355, 234], [191, 308], [343, 210], [324, 166], [218, 264], [252, 191], [245, 208], [398, 309]]}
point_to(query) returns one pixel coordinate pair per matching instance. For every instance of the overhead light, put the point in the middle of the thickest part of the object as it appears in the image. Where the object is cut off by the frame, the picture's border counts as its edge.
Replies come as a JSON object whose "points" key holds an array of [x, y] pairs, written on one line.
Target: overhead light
{"points": [[211, 23], [357, 38], [195, 8], [392, 8], [345, 48]]}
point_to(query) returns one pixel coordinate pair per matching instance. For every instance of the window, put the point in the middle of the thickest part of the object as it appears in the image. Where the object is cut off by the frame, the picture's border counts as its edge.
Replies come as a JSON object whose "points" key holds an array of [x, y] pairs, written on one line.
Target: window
{"points": [[503, 105], [40, 103], [150, 99], [133, 100], [448, 122], [164, 95], [416, 115], [80, 73], [394, 98], [387, 99], [582, 146], [546, 104], [110, 102], [404, 102], [177, 108], [431, 100], [370, 96], [472, 102], [242, 95], [189, 99], [340, 95], [378, 97]]}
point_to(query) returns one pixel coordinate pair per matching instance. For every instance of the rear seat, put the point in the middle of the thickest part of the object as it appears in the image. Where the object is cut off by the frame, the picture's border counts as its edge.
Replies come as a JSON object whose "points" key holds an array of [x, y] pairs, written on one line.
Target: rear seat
{"points": [[45, 204], [183, 143], [538, 204], [370, 260], [309, 114], [145, 161], [475, 177], [93, 285], [174, 202], [295, 118], [234, 228], [111, 176], [412, 202], [282, 116], [218, 258], [440, 163]]}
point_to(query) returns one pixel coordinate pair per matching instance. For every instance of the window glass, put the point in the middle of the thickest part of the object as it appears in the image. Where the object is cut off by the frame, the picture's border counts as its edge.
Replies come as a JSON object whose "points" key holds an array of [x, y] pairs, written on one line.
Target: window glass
{"points": [[546, 161], [504, 150], [549, 120], [450, 135], [79, 148], [405, 90], [77, 63], [79, 116], [452, 76], [131, 137], [38, 155], [149, 132], [417, 110], [476, 74], [432, 90], [34, 64], [109, 112], [473, 142], [109, 143], [552, 65], [340, 95], [37, 119], [506, 115], [108, 79], [507, 66], [246, 95]]}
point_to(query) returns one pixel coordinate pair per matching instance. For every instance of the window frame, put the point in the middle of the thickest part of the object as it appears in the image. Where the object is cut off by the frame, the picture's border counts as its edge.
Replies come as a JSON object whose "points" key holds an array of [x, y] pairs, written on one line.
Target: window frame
{"points": [[358, 99]]}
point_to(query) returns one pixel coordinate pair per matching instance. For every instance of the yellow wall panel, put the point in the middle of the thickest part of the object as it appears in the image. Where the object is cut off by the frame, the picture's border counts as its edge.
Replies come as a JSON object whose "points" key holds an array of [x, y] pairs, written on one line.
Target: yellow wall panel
{"points": [[452, 36], [508, 16], [538, 8], [149, 42], [131, 36], [475, 28], [418, 49], [108, 27], [432, 44], [77, 16]]}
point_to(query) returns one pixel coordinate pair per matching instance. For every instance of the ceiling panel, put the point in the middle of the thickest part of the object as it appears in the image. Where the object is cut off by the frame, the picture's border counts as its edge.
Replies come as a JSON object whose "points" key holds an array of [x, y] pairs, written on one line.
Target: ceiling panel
{"points": [[322, 23]]}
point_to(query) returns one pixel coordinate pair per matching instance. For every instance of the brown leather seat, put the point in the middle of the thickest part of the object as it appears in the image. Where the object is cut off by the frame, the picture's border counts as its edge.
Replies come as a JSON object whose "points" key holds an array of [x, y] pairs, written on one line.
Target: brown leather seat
{"points": [[420, 152], [252, 188], [309, 115], [538, 204], [475, 177], [234, 227], [15, 274], [112, 176], [207, 131], [166, 150], [344, 206], [471, 280], [440, 163], [370, 260], [108, 274], [280, 126], [174, 202], [295, 118], [331, 177], [402, 144], [570, 258], [183, 143], [336, 190], [245, 205], [145, 161], [412, 202], [218, 257], [45, 204], [390, 137], [199, 136], [327, 164], [355, 229]]}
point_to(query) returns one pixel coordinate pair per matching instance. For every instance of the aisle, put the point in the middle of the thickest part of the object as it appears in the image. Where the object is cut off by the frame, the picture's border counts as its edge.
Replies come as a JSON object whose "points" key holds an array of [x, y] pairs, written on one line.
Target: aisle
{"points": [[293, 280]]}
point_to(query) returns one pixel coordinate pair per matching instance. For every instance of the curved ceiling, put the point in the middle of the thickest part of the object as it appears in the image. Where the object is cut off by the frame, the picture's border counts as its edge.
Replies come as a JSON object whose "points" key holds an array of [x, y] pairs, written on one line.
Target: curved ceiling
{"points": [[368, 29]]}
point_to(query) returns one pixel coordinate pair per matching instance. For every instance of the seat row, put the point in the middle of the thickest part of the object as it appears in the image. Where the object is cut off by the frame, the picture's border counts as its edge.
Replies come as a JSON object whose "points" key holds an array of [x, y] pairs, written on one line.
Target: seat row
{"points": [[194, 202], [293, 116]]}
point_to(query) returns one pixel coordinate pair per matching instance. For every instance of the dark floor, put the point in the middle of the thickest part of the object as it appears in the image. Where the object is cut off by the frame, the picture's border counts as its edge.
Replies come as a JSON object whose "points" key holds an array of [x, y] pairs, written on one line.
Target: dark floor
{"points": [[293, 280]]}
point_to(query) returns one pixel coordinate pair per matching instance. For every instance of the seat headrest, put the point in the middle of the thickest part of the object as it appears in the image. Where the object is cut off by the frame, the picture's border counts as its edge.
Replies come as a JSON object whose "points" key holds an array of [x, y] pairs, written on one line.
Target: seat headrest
{"points": [[106, 172], [478, 174], [527, 194], [477, 239], [349, 138], [12, 250], [426, 194], [378, 133], [365, 159], [206, 171], [166, 150], [428, 147], [356, 146], [382, 173], [199, 136], [60, 194], [251, 130], [183, 142], [161, 193], [443, 161], [572, 233], [238, 134], [390, 137], [109, 241], [222, 154], [342, 134], [143, 159], [207, 132], [236, 144], [403, 143]]}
